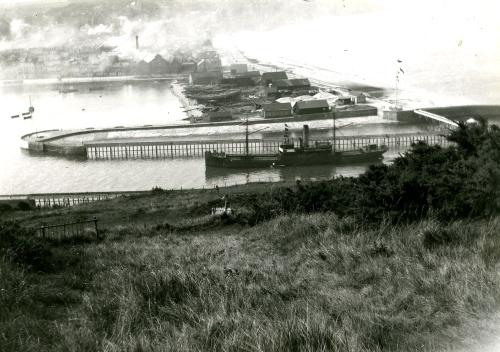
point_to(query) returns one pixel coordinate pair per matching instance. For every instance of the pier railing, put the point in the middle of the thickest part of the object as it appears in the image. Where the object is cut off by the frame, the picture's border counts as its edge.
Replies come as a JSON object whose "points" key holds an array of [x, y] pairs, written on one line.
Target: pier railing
{"points": [[164, 150]]}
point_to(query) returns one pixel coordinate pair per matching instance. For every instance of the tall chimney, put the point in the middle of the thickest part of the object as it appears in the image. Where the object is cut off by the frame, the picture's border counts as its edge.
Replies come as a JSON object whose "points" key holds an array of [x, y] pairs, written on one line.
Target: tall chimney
{"points": [[137, 42], [305, 135]]}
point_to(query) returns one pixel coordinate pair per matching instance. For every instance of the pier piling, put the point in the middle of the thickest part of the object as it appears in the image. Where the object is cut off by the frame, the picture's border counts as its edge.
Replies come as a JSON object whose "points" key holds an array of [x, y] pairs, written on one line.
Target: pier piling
{"points": [[162, 150]]}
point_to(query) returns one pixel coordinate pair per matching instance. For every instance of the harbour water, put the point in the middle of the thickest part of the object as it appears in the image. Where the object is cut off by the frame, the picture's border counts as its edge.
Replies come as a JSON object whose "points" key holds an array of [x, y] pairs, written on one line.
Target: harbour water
{"points": [[119, 104]]}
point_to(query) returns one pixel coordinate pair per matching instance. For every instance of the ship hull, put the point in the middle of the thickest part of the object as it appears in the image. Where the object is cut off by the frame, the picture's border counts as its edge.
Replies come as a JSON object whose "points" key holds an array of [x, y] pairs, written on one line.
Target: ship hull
{"points": [[302, 158], [237, 161]]}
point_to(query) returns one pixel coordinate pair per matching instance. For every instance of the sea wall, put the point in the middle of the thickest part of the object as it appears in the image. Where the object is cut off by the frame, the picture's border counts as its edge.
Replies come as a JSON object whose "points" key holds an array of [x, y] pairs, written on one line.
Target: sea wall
{"points": [[50, 148], [365, 111], [400, 115], [186, 103]]}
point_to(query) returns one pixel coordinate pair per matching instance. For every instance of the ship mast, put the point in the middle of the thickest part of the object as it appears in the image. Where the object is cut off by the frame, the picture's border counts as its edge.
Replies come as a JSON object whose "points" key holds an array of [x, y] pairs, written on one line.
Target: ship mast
{"points": [[246, 137], [334, 136]]}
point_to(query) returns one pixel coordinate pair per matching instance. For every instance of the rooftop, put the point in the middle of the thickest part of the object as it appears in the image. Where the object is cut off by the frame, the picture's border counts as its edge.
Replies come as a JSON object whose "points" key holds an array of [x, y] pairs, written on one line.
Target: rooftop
{"points": [[291, 83], [248, 74], [277, 107], [274, 75], [311, 104]]}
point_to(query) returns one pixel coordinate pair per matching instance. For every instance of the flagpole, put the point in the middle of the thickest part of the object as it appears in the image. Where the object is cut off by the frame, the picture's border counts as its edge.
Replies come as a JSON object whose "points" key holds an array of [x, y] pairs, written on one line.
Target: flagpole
{"points": [[397, 81]]}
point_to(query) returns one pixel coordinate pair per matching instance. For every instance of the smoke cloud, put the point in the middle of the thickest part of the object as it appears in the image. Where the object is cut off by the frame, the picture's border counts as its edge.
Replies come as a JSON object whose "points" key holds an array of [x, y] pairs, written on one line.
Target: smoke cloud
{"points": [[162, 26]]}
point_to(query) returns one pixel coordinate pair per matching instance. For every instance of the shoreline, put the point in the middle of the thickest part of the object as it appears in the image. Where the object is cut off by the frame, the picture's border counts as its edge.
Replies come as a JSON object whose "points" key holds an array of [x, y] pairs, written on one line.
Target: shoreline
{"points": [[84, 80]]}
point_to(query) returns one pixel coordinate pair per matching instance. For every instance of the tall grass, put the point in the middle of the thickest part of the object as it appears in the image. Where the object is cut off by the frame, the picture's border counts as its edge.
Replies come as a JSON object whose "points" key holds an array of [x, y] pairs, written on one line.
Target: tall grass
{"points": [[301, 283]]}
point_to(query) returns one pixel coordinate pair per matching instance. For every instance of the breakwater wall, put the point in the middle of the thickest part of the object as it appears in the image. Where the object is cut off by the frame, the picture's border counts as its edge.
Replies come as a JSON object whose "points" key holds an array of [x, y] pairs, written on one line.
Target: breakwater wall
{"points": [[163, 150], [68, 150]]}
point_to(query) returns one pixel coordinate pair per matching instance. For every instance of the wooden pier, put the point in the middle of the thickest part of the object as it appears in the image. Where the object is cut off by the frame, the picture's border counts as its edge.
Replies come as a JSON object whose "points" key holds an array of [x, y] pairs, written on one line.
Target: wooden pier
{"points": [[54, 200], [182, 149]]}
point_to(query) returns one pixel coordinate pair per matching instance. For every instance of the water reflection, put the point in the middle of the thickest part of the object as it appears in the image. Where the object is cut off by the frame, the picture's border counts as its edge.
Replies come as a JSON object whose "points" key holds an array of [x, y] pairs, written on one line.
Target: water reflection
{"points": [[225, 176]]}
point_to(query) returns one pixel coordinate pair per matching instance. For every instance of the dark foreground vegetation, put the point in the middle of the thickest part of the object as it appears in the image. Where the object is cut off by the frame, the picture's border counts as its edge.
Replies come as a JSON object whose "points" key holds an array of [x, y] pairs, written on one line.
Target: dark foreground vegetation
{"points": [[404, 258]]}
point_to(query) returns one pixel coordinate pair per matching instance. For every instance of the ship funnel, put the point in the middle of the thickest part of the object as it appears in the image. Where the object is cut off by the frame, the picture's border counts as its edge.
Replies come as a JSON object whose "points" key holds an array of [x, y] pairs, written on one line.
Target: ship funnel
{"points": [[305, 135]]}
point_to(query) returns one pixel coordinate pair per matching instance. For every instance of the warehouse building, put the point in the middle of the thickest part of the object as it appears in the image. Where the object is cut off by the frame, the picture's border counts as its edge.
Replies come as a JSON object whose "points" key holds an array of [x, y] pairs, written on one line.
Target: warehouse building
{"points": [[274, 110]]}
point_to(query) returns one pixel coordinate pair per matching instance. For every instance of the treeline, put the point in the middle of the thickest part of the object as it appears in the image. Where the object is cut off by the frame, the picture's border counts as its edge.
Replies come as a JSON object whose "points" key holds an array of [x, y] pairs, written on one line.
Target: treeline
{"points": [[459, 181]]}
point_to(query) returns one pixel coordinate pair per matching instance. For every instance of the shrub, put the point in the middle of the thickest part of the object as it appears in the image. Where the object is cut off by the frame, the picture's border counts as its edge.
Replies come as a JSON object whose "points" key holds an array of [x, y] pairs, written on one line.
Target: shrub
{"points": [[21, 246], [5, 208], [158, 190], [455, 182], [24, 206]]}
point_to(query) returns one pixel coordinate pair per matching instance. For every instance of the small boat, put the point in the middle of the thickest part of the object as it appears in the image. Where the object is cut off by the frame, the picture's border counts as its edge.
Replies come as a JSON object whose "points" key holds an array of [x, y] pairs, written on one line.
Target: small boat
{"points": [[25, 115]]}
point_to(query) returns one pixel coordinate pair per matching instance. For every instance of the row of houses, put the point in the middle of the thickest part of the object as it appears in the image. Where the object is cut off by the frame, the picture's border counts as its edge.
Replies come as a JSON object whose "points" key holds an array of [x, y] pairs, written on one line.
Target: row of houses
{"points": [[208, 61], [239, 75]]}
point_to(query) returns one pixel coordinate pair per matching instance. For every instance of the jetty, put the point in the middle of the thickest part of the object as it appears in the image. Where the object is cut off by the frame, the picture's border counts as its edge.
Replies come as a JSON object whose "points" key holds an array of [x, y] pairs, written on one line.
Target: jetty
{"points": [[103, 150], [434, 116]]}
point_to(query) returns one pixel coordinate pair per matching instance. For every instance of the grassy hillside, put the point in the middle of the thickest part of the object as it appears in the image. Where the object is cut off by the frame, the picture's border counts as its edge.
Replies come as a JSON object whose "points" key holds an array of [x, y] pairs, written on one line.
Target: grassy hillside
{"points": [[295, 283]]}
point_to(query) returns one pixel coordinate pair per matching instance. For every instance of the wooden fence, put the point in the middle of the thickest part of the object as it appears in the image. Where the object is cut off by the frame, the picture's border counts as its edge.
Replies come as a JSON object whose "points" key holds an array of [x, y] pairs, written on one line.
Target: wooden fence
{"points": [[69, 230]]}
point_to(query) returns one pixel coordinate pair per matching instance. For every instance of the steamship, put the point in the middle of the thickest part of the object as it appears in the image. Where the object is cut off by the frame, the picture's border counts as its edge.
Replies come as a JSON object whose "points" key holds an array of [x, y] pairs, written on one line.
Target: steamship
{"points": [[320, 153], [317, 153]]}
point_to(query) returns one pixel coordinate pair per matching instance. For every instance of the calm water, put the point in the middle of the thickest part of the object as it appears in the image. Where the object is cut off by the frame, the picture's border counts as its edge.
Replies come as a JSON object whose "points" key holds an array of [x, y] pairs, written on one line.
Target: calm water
{"points": [[97, 105]]}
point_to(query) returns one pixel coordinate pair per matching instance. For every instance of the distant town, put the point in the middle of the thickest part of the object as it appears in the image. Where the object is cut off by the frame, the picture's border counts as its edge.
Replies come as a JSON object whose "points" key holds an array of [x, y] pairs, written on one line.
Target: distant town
{"points": [[37, 63]]}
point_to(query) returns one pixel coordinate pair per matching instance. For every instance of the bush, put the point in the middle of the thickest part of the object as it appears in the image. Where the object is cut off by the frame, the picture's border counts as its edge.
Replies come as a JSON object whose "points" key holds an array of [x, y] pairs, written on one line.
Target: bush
{"points": [[21, 246], [24, 206], [459, 181], [5, 208], [158, 190]]}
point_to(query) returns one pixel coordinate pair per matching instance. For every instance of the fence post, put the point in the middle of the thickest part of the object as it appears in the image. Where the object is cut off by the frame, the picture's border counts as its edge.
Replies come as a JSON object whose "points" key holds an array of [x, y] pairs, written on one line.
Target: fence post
{"points": [[94, 219]]}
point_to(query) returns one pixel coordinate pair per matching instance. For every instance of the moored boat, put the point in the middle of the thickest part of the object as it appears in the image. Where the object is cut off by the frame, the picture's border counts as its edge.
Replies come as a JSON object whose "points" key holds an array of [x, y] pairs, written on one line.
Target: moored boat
{"points": [[317, 153]]}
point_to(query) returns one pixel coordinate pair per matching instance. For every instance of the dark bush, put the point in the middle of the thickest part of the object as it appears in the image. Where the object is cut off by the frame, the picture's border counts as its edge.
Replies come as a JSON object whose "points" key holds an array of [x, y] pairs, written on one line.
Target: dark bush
{"points": [[5, 208], [21, 246], [24, 206], [158, 190], [459, 181]]}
